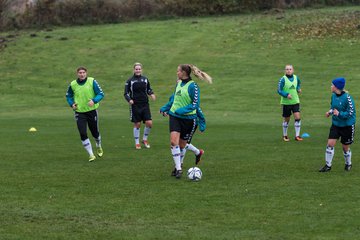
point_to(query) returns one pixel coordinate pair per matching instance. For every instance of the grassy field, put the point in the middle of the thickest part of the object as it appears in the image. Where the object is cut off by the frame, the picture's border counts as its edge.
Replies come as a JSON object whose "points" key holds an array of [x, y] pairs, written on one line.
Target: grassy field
{"points": [[254, 185]]}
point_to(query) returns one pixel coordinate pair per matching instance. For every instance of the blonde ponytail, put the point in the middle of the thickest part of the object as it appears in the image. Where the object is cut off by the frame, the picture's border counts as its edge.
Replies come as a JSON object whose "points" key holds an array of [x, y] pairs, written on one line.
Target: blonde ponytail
{"points": [[200, 74]]}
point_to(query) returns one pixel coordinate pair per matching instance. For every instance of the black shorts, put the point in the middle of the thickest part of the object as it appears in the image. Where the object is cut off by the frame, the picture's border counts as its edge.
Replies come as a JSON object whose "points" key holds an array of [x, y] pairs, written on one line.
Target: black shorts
{"points": [[140, 112], [87, 119], [186, 127], [346, 133], [287, 109], [190, 138]]}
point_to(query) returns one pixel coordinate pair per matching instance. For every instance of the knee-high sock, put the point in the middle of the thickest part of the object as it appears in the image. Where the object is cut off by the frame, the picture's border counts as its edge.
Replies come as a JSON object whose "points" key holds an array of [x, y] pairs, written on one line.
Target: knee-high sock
{"points": [[347, 157], [297, 125], [175, 151], [182, 154], [192, 148], [136, 135], [87, 145], [285, 128], [329, 154], [146, 133]]}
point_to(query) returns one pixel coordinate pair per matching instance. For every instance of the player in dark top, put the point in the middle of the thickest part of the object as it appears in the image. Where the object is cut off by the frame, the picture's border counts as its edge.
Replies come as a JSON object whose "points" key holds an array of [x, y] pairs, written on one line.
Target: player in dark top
{"points": [[137, 90], [343, 115]]}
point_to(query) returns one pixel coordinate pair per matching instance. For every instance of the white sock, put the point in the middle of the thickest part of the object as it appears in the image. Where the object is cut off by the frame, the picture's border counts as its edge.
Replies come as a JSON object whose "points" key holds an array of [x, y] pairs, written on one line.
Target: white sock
{"points": [[146, 133], [87, 145], [182, 154], [136, 135], [297, 125], [329, 154], [192, 148], [98, 141], [285, 128], [347, 157], [175, 151]]}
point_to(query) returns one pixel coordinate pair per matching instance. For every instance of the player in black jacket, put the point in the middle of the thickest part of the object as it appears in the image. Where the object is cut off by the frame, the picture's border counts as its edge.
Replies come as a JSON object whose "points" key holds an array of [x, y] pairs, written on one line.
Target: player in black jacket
{"points": [[137, 90]]}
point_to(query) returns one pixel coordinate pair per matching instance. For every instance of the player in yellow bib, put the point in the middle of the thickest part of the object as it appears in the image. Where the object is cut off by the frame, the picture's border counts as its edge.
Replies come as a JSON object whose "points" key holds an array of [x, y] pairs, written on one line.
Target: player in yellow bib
{"points": [[289, 90], [182, 110], [83, 96]]}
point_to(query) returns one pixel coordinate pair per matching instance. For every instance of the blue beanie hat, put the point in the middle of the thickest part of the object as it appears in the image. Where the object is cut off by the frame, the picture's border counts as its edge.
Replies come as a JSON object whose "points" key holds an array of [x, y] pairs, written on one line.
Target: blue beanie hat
{"points": [[339, 83]]}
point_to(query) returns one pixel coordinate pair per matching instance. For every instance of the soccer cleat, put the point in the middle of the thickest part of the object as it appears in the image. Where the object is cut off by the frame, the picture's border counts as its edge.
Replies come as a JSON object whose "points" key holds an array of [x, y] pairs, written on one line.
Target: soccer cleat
{"points": [[146, 144], [348, 167], [173, 173], [92, 158], [198, 157], [298, 138], [178, 174], [325, 168], [100, 151], [137, 146], [286, 139]]}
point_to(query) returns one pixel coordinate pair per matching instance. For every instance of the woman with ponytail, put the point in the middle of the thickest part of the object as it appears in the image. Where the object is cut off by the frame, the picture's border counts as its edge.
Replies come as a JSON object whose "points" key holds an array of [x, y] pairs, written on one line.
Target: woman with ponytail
{"points": [[182, 109]]}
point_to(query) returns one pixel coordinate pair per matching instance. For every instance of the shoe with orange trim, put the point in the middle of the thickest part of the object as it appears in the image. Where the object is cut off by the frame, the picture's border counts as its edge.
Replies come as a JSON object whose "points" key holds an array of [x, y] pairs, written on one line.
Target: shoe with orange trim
{"points": [[298, 138]]}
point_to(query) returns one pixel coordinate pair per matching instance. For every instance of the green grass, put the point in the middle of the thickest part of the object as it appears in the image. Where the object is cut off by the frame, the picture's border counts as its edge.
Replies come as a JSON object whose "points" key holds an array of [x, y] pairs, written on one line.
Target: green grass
{"points": [[254, 185]]}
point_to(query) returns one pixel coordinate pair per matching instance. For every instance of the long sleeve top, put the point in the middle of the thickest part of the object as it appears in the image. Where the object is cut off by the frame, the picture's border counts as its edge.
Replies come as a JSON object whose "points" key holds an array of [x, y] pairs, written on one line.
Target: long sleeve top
{"points": [[194, 93], [137, 88], [344, 103], [99, 94], [281, 84]]}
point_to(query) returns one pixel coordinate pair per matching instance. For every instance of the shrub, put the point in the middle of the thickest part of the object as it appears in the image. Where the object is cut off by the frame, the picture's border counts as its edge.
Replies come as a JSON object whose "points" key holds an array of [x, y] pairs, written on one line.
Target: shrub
{"points": [[70, 12]]}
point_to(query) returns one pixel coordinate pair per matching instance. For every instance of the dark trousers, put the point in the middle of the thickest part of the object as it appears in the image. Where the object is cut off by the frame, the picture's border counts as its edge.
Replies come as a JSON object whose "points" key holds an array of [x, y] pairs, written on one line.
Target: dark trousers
{"points": [[87, 119]]}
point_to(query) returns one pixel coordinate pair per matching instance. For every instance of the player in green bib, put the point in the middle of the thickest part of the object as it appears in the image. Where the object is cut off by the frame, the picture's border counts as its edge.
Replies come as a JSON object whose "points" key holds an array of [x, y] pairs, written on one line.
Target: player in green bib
{"points": [[83, 96], [182, 110], [289, 90]]}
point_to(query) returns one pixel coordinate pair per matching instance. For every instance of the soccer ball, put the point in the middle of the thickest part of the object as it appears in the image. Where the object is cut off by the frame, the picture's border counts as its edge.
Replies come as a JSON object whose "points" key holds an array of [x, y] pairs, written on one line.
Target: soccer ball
{"points": [[194, 174]]}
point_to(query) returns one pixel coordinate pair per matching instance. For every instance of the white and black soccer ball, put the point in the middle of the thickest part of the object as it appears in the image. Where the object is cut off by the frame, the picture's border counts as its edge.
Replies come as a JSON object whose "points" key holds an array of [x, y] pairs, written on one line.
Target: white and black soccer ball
{"points": [[194, 174]]}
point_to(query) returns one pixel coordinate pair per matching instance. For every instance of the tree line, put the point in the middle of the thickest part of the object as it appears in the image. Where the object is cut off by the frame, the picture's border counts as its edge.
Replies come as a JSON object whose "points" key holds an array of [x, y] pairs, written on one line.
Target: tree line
{"points": [[20, 14]]}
